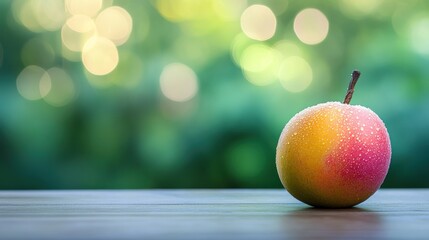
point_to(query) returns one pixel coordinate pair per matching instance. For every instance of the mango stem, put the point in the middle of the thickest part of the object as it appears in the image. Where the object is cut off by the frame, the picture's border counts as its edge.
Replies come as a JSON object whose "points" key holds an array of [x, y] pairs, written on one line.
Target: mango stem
{"points": [[351, 89]]}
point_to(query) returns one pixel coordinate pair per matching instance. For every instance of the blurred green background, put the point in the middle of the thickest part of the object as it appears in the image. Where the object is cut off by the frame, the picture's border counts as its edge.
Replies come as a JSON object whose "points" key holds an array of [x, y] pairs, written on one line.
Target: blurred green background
{"points": [[194, 94]]}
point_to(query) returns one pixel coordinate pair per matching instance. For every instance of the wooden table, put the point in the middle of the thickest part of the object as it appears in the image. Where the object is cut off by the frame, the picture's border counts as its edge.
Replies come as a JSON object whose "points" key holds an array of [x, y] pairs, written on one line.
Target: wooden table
{"points": [[207, 214]]}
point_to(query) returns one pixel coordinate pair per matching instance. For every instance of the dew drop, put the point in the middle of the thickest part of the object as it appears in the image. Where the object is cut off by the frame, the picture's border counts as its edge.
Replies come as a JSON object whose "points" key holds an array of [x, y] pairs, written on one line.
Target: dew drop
{"points": [[361, 128]]}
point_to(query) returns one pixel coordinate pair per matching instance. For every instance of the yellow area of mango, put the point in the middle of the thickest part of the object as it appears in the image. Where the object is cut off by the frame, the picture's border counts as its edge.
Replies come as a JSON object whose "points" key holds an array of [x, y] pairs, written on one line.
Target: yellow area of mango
{"points": [[303, 146]]}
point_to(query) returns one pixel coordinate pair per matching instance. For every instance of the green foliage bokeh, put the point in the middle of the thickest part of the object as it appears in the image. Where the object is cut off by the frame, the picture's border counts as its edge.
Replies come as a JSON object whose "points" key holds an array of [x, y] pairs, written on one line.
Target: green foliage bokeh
{"points": [[115, 136]]}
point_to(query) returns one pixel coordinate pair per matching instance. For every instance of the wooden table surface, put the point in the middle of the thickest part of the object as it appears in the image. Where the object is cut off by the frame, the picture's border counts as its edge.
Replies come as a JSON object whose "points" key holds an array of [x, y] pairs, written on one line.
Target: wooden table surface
{"points": [[207, 214]]}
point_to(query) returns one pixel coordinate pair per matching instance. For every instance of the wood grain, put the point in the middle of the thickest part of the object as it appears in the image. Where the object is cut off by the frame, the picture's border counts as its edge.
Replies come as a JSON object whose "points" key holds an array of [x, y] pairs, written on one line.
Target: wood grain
{"points": [[207, 214]]}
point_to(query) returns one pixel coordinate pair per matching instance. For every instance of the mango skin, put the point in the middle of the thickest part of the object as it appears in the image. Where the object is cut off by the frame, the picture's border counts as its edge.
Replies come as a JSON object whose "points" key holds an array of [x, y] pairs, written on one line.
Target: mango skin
{"points": [[333, 155]]}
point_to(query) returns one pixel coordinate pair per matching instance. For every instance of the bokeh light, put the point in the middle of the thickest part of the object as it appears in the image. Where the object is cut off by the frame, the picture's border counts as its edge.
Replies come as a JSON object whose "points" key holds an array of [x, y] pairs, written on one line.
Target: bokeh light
{"points": [[114, 23], [260, 64], [76, 32], [238, 45], [24, 12], [178, 82], [258, 22], [39, 15], [288, 48], [198, 19], [400, 18], [58, 87], [311, 26], [256, 57], [229, 10], [30, 85], [100, 56], [84, 7], [419, 34], [45, 85], [182, 10], [295, 74], [50, 14], [127, 74]]}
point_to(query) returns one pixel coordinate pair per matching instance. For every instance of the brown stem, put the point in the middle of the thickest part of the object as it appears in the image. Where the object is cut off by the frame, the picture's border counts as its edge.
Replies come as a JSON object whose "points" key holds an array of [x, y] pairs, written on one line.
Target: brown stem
{"points": [[351, 89]]}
